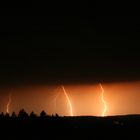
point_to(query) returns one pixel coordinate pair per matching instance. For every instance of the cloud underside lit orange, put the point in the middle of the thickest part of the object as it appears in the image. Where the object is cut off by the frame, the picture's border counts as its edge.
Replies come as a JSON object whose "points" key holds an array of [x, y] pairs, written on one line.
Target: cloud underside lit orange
{"points": [[94, 99]]}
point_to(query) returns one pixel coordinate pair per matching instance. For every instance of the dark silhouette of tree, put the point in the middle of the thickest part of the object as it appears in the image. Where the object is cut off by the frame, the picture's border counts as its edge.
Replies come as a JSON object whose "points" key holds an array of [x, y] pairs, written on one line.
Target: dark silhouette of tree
{"points": [[43, 114], [7, 115], [56, 115], [33, 115], [13, 115], [22, 114], [2, 115]]}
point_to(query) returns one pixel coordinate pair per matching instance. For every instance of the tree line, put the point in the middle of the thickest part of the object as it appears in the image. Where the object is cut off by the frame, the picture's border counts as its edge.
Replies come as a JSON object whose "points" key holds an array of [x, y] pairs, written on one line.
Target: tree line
{"points": [[23, 114]]}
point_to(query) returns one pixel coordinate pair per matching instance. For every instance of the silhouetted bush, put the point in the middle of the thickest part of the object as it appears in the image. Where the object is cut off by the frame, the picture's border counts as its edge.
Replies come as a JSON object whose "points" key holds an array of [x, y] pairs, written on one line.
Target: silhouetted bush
{"points": [[43, 114], [56, 115], [7, 115], [13, 115], [22, 114], [33, 115], [2, 115]]}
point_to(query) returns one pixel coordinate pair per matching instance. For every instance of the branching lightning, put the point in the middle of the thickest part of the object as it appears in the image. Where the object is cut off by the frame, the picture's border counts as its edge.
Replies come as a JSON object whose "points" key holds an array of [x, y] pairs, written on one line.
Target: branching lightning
{"points": [[103, 100], [69, 102], [8, 104]]}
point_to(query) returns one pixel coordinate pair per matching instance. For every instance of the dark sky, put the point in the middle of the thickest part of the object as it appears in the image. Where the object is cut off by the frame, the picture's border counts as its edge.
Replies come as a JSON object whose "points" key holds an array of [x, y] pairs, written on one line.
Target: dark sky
{"points": [[37, 46]]}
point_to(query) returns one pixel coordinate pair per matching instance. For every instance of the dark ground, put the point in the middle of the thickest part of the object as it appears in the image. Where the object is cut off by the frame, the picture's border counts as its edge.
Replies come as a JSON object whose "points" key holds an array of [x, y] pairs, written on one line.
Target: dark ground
{"points": [[84, 127]]}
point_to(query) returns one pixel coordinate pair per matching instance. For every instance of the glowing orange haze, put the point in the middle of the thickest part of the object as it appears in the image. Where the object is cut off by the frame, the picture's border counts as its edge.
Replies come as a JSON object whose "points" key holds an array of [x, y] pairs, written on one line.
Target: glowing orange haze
{"points": [[121, 98]]}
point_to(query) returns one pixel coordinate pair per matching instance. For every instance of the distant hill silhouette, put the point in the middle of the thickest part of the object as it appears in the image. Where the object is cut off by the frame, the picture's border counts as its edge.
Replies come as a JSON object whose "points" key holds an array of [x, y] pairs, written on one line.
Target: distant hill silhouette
{"points": [[31, 126]]}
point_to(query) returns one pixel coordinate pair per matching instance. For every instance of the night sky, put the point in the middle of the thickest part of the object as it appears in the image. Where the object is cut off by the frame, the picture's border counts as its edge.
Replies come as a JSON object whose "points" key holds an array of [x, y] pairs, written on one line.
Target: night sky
{"points": [[37, 47], [69, 49]]}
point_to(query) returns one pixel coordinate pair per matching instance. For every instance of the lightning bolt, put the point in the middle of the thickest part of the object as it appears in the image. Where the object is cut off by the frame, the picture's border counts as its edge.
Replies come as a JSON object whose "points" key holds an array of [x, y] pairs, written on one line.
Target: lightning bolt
{"points": [[69, 102], [103, 100], [8, 104]]}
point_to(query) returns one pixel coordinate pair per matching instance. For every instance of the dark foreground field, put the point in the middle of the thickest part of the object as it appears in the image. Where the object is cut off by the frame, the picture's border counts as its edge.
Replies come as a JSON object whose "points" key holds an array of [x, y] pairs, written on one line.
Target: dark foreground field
{"points": [[84, 127]]}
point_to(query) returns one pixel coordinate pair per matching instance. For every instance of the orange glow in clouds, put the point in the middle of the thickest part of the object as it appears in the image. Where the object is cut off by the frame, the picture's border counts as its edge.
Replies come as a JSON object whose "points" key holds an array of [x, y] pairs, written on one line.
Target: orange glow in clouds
{"points": [[84, 100]]}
